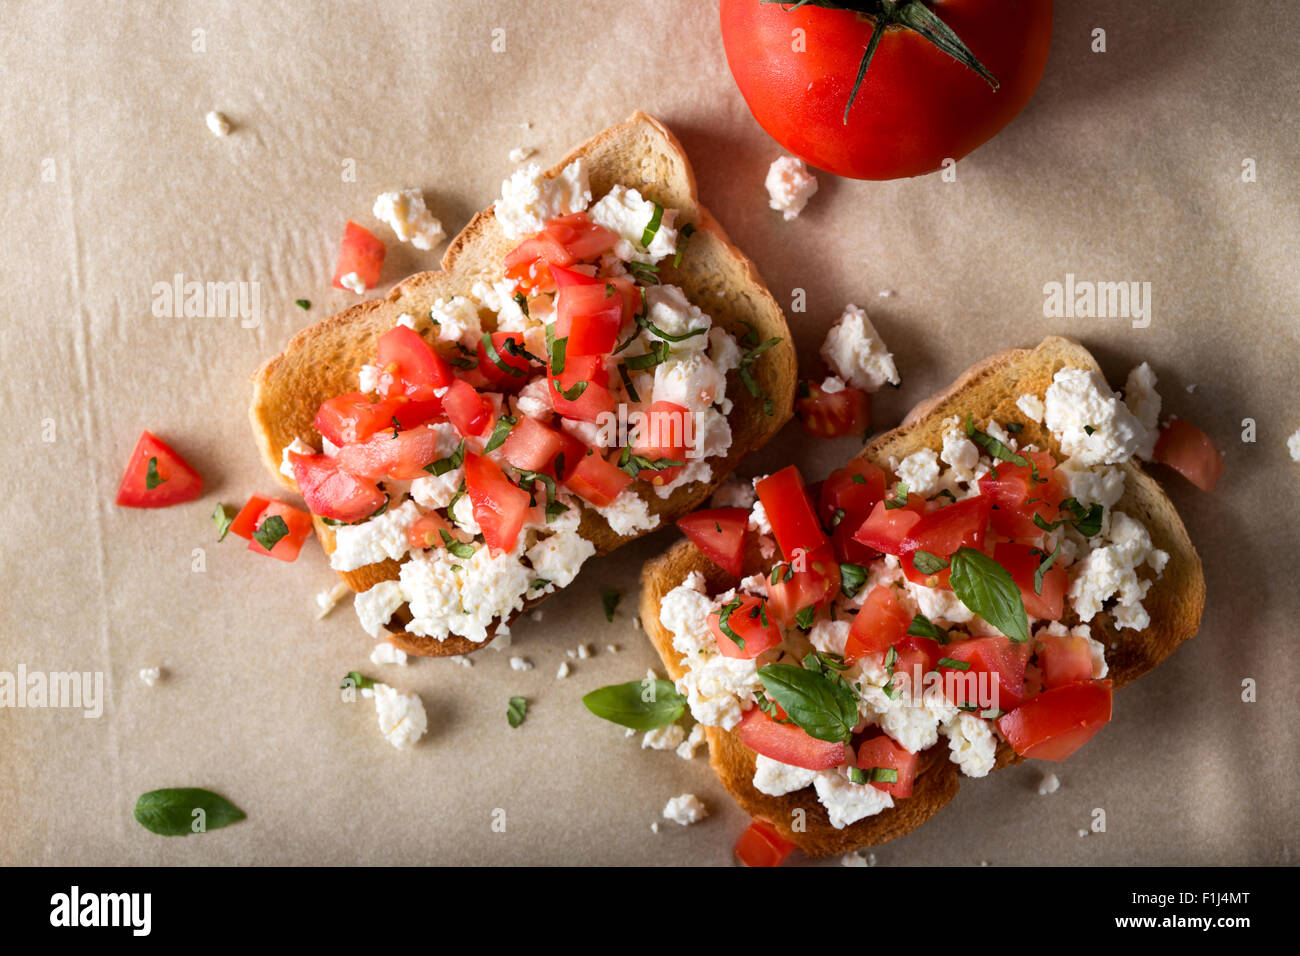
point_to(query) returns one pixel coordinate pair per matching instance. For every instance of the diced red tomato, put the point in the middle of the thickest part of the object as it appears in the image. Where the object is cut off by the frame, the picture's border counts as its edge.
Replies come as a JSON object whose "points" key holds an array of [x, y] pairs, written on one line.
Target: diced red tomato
{"points": [[246, 520], [361, 253], [588, 311], [426, 531], [469, 411], [332, 493], [845, 500], [1017, 497], [175, 482], [787, 743], [941, 533], [351, 417], [1021, 562], [1059, 721], [499, 378], [761, 845], [532, 446], [401, 456], [879, 625], [833, 414], [584, 239], [813, 579], [1064, 659], [790, 513], [564, 240], [1188, 450], [594, 400], [1000, 657], [296, 520], [916, 657], [881, 751], [420, 370], [665, 434], [746, 622], [499, 506], [596, 480], [886, 528], [720, 534]]}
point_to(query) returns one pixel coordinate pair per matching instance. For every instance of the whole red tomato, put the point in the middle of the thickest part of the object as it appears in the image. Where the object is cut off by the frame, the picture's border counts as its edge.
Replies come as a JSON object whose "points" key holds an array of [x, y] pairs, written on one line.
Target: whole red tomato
{"points": [[916, 105]]}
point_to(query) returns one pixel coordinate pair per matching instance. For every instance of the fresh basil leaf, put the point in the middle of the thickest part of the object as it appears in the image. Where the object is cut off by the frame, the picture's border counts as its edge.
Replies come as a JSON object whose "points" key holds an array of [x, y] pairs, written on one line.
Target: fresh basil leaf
{"points": [[747, 377], [538, 584], [922, 626], [928, 563], [988, 589], [627, 383], [626, 704], [490, 350], [358, 680], [500, 431], [521, 300], [1087, 523], [554, 510], [644, 272], [657, 355], [609, 601], [804, 617], [823, 707], [573, 392], [556, 351], [858, 776], [652, 227], [994, 447], [724, 621], [900, 497], [1015, 428], [516, 711], [270, 532], [223, 519], [450, 463], [954, 664], [151, 477], [303, 304], [882, 775], [942, 493], [533, 478], [456, 547], [1043, 567], [171, 811], [852, 577]]}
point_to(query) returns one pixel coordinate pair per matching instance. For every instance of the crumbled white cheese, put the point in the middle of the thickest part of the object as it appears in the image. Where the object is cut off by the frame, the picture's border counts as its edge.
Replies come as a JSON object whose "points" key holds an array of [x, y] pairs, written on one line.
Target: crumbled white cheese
{"points": [[457, 320], [723, 350], [789, 186], [328, 599], [352, 282], [1049, 783], [1090, 421], [856, 353], [1111, 571], [558, 557], [1032, 407], [1091, 484], [628, 514], [972, 745], [940, 605], [151, 675], [529, 199], [402, 719], [735, 493], [686, 749], [405, 212], [1141, 397], [436, 491], [685, 809], [520, 153], [376, 606], [962, 454], [919, 471], [218, 124], [464, 596], [534, 400], [777, 779], [386, 653], [626, 214], [370, 542], [668, 309], [1293, 446], [563, 670], [664, 738], [520, 664], [758, 519], [848, 802], [829, 637], [297, 447]]}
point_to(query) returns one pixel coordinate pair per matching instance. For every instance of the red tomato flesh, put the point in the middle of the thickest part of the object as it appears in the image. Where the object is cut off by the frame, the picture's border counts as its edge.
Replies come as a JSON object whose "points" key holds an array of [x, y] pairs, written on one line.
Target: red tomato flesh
{"points": [[176, 481], [500, 507], [361, 253], [1059, 721], [720, 534], [941, 533], [1021, 562], [498, 377], [885, 529], [1188, 450], [854, 490], [833, 414], [332, 493], [790, 513], [384, 455], [246, 520], [796, 589], [412, 362], [1017, 496], [1064, 659], [787, 743], [295, 519], [596, 480], [879, 625], [881, 751], [532, 446], [469, 411], [999, 657], [747, 623], [761, 845]]}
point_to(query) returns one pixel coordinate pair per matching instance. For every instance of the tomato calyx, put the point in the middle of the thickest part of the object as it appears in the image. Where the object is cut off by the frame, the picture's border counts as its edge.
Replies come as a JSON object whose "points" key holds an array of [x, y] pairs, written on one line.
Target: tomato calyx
{"points": [[910, 15]]}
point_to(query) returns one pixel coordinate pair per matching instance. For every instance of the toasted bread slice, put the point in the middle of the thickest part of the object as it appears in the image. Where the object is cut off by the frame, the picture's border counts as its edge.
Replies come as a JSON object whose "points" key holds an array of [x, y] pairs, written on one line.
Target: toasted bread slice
{"points": [[322, 360], [986, 390]]}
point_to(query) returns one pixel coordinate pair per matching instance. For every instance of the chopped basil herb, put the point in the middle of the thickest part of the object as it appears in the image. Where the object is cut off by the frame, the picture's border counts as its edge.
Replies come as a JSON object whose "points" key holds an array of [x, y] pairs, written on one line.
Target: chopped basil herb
{"points": [[270, 532], [822, 705], [512, 347], [609, 601], [356, 679], [302, 304], [724, 622], [554, 509], [1088, 429], [1087, 521], [804, 617], [521, 300], [852, 577], [747, 377], [1043, 568], [945, 493], [500, 431], [634, 464], [450, 463], [859, 479], [988, 589], [460, 493], [538, 584], [683, 236], [555, 350], [994, 447], [572, 393], [644, 272], [657, 355], [532, 478], [900, 497], [456, 547], [928, 563], [223, 520], [922, 626], [490, 350], [516, 711], [652, 227], [639, 704], [632, 393], [837, 517], [151, 477], [954, 664], [858, 776], [1015, 428], [883, 775]]}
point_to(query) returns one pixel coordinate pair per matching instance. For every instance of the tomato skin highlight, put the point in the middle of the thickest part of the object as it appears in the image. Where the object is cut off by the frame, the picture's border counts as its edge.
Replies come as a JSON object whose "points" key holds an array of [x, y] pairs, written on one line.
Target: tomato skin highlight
{"points": [[417, 366], [1001, 658], [787, 743], [720, 534], [179, 482], [917, 106], [1188, 450], [762, 845], [1059, 721]]}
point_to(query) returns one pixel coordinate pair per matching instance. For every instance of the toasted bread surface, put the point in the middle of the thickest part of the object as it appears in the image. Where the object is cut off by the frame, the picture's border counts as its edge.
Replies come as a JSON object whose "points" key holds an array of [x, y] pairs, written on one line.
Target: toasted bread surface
{"points": [[987, 390], [322, 360]]}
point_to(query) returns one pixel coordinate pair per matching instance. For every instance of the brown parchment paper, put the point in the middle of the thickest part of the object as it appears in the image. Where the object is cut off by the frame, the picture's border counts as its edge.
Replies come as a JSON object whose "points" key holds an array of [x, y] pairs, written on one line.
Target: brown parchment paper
{"points": [[1126, 166]]}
